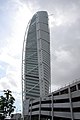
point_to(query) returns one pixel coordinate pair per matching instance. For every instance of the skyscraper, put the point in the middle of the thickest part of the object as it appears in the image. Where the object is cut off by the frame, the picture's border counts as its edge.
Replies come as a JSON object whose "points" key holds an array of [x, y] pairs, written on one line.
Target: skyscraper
{"points": [[36, 78]]}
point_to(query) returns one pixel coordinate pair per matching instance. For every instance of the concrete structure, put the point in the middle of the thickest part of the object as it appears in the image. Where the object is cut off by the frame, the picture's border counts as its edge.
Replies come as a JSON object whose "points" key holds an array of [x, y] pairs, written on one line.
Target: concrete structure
{"points": [[36, 78], [63, 104]]}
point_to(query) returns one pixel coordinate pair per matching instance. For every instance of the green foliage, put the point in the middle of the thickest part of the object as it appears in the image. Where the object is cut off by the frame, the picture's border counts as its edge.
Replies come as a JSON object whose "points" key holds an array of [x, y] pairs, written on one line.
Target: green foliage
{"points": [[6, 104]]}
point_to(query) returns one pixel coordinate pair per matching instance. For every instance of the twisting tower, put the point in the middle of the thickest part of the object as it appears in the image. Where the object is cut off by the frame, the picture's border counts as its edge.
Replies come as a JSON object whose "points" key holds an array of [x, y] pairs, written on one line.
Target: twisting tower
{"points": [[36, 79]]}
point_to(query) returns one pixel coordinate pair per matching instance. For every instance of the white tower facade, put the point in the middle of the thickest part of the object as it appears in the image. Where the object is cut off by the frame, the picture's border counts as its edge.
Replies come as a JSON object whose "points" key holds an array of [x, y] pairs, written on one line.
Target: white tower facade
{"points": [[36, 79]]}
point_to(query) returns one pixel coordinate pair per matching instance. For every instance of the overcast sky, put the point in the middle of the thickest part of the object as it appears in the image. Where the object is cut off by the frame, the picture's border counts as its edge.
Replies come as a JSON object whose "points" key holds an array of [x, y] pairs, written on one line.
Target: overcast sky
{"points": [[64, 23]]}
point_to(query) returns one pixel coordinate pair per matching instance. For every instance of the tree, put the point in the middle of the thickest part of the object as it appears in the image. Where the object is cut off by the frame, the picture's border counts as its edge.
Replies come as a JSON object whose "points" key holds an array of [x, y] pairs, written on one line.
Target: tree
{"points": [[6, 104]]}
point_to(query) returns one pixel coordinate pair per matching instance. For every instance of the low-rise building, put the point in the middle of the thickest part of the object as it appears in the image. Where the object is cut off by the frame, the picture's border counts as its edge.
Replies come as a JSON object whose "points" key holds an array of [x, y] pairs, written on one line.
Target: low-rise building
{"points": [[63, 104]]}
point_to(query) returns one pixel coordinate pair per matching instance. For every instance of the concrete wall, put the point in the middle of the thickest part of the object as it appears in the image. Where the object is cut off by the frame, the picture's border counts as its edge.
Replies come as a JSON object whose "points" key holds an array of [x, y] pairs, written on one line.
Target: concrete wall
{"points": [[64, 103]]}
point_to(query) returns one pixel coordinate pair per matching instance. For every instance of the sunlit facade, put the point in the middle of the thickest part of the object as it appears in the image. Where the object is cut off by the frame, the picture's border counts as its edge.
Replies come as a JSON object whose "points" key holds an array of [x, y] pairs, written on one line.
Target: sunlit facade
{"points": [[36, 78]]}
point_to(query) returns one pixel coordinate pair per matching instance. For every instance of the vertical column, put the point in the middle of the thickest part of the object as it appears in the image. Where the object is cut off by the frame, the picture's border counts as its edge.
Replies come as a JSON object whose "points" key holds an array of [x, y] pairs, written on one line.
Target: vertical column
{"points": [[40, 66], [72, 117], [52, 107], [31, 110], [40, 108]]}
